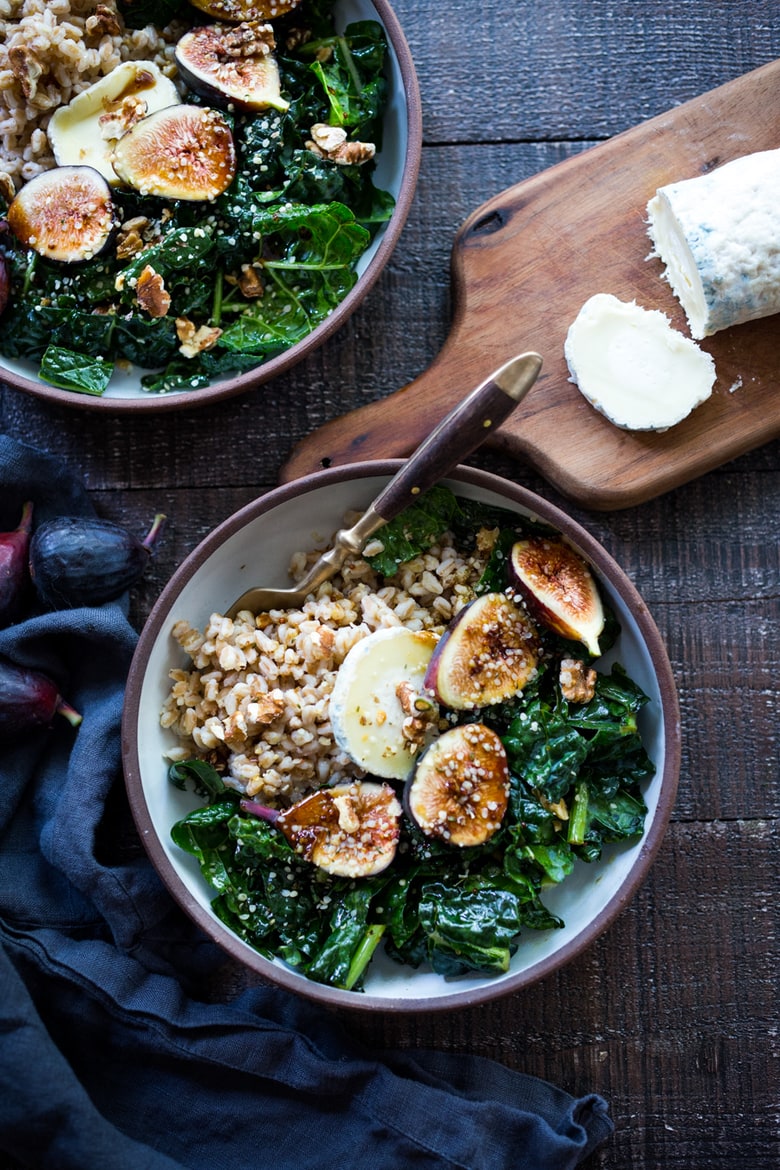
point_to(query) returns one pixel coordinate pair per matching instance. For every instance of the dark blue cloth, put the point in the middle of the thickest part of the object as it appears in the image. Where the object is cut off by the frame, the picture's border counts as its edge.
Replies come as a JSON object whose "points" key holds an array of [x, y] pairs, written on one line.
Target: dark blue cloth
{"points": [[107, 1058]]}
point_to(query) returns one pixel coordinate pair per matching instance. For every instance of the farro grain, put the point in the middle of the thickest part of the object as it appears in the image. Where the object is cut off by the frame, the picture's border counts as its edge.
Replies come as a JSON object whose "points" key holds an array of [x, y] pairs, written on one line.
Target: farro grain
{"points": [[269, 725]]}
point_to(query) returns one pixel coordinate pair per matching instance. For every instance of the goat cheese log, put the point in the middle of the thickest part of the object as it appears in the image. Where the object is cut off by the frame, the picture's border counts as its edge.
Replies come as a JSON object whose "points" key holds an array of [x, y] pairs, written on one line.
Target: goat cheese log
{"points": [[719, 238]]}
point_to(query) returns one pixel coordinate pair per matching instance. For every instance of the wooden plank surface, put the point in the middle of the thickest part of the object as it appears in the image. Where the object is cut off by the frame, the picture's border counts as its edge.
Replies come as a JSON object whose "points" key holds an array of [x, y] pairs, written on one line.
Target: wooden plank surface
{"points": [[525, 262], [672, 1014]]}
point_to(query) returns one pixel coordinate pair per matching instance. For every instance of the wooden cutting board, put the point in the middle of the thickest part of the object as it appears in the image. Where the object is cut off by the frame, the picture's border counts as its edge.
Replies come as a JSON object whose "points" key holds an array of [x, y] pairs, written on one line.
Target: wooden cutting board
{"points": [[522, 266]]}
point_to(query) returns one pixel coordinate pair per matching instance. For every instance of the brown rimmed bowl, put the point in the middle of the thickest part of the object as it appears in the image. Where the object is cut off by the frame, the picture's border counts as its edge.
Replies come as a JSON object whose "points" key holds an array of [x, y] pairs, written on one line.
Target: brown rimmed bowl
{"points": [[254, 546], [397, 168]]}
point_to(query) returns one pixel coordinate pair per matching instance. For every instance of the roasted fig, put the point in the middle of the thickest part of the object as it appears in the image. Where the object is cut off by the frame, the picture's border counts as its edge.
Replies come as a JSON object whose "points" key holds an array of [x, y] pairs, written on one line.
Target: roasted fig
{"points": [[77, 561], [379, 712], [29, 701], [85, 131], [488, 653], [14, 573], [238, 10], [350, 830], [182, 152], [232, 65], [559, 589], [65, 214], [460, 788]]}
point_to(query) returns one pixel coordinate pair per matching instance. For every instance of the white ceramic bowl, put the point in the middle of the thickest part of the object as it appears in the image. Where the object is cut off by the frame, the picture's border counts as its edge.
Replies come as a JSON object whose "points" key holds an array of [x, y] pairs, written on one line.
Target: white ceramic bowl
{"points": [[254, 547], [396, 171]]}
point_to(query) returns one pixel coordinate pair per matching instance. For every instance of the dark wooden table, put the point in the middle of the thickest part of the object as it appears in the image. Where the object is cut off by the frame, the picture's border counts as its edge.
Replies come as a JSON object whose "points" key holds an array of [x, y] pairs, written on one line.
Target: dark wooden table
{"points": [[672, 1014]]}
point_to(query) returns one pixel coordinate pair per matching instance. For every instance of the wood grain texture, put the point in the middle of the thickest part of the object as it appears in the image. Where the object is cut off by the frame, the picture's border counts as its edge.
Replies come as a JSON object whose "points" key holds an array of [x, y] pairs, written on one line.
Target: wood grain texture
{"points": [[672, 1014], [525, 262]]}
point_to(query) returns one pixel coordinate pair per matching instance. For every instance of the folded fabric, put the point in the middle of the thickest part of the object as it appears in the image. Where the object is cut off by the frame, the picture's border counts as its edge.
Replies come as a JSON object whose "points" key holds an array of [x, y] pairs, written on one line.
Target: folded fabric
{"points": [[107, 1057]]}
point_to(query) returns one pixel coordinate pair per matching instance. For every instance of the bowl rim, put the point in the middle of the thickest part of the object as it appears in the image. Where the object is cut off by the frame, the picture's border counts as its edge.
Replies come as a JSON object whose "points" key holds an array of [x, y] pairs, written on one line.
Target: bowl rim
{"points": [[605, 566], [241, 383]]}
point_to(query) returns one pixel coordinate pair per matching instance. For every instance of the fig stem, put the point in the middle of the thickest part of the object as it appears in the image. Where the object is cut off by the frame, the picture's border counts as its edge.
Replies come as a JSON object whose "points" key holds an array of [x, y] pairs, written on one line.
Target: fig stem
{"points": [[155, 532], [69, 713], [255, 809], [25, 524]]}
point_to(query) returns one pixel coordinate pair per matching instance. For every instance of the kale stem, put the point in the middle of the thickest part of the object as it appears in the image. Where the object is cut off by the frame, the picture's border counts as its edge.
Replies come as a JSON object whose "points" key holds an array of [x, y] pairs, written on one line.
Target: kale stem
{"points": [[578, 820], [350, 64], [362, 956]]}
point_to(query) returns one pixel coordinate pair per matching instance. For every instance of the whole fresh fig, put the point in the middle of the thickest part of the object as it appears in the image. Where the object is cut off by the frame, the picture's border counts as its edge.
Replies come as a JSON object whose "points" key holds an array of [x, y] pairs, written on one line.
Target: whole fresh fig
{"points": [[77, 561], [29, 701], [14, 573]]}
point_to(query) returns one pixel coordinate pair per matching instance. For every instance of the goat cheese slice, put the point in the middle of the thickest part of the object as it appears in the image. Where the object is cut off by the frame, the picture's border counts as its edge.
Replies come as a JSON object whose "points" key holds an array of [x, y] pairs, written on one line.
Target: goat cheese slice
{"points": [[84, 132], [378, 687], [634, 367], [718, 236]]}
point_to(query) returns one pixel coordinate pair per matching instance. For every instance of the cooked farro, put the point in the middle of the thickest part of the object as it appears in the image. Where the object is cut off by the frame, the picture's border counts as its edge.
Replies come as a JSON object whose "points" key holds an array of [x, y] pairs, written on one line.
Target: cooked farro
{"points": [[255, 698], [50, 50]]}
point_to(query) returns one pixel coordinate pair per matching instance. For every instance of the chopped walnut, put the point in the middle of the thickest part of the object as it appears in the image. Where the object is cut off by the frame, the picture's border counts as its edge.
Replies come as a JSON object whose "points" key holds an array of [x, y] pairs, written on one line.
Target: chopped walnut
{"points": [[118, 120], [130, 241], [297, 37], [251, 38], [26, 68], [578, 685], [349, 821], [195, 341], [7, 187], [420, 714], [151, 293], [558, 808], [330, 142], [250, 283], [103, 22], [486, 539]]}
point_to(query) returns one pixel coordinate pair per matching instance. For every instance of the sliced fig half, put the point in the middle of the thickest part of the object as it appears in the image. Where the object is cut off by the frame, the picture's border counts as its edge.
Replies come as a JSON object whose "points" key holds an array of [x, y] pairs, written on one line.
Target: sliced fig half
{"points": [[488, 653], [559, 589], [459, 790], [238, 10], [181, 152], [85, 131], [232, 65], [350, 830], [65, 214]]}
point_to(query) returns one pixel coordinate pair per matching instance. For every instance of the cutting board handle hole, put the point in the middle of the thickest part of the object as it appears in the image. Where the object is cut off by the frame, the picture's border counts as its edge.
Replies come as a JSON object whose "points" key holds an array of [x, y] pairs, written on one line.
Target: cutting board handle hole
{"points": [[487, 224]]}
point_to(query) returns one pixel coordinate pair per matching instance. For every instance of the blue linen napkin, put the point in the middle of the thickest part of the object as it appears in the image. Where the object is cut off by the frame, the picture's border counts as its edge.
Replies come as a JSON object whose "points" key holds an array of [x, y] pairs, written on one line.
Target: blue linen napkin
{"points": [[107, 1058]]}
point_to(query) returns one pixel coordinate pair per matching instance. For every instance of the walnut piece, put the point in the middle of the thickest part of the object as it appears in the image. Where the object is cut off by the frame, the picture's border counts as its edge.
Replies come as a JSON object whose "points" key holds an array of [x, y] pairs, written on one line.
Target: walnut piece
{"points": [[578, 685], [104, 22], [250, 283], [251, 38], [26, 68], [330, 142], [130, 241], [151, 293], [195, 341], [118, 120]]}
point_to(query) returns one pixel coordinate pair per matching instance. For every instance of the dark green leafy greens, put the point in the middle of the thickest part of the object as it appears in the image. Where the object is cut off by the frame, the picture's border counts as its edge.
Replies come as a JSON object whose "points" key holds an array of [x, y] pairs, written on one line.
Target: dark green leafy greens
{"points": [[458, 910], [298, 221]]}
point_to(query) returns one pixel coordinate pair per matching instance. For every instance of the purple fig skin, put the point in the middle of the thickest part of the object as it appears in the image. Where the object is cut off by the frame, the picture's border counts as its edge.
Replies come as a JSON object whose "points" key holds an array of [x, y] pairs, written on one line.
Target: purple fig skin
{"points": [[350, 830], [29, 702], [558, 589], [14, 573], [76, 561], [488, 653]]}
